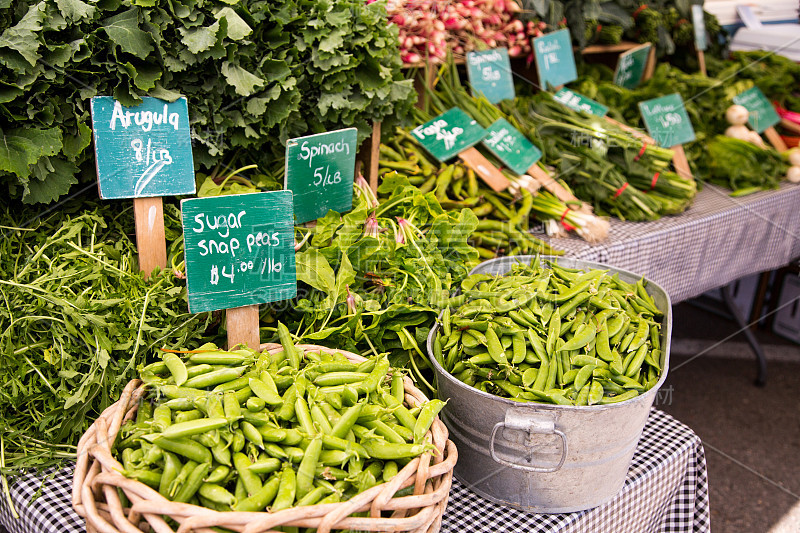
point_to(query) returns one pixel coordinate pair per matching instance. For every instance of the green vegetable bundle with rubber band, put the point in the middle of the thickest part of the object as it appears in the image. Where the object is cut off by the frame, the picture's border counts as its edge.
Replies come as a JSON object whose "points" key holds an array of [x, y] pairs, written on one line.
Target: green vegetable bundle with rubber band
{"points": [[291, 427], [553, 335]]}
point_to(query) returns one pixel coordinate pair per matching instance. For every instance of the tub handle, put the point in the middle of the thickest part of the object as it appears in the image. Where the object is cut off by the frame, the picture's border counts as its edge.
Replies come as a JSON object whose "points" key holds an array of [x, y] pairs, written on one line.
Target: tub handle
{"points": [[532, 426]]}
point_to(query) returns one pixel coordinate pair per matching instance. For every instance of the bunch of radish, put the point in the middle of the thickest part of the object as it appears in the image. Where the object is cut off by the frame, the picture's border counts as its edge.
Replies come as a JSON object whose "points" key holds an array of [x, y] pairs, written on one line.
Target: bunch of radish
{"points": [[431, 28]]}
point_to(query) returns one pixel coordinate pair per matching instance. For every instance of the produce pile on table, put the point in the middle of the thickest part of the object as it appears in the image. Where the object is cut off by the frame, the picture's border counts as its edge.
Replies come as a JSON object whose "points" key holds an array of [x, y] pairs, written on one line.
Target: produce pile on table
{"points": [[246, 431], [552, 335], [604, 165], [740, 166], [432, 29]]}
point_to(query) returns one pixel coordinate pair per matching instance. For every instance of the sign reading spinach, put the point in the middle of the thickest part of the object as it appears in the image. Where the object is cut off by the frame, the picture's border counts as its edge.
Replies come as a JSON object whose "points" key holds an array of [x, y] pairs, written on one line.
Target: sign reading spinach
{"points": [[319, 171]]}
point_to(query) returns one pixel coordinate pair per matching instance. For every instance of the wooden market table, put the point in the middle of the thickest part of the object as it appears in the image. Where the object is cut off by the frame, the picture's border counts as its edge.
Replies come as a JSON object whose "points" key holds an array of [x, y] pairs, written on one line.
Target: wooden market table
{"points": [[666, 490]]}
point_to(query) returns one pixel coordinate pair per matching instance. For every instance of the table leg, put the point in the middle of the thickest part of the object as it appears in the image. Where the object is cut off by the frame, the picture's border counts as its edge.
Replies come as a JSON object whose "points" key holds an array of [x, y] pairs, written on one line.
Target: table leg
{"points": [[761, 379]]}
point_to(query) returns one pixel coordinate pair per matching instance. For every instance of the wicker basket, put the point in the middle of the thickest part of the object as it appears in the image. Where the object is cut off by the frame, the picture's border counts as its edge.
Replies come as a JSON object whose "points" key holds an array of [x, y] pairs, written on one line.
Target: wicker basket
{"points": [[97, 482]]}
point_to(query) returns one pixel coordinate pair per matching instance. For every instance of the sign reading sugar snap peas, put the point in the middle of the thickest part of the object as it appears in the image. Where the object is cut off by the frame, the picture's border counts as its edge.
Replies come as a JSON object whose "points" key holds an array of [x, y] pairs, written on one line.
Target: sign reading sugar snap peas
{"points": [[319, 171], [449, 134], [555, 61], [578, 102], [631, 66], [667, 121], [762, 114], [142, 151], [489, 74], [511, 147], [239, 250]]}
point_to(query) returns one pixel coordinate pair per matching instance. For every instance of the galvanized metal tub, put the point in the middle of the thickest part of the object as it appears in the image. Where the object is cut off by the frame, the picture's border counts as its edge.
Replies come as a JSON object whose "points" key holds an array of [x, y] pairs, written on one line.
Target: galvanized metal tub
{"points": [[546, 458]]}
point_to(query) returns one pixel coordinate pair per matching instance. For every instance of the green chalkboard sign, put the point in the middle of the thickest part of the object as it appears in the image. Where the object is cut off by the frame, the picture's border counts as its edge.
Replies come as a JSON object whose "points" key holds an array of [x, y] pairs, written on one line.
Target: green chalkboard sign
{"points": [[490, 74], [699, 24], [555, 61], [239, 250], [449, 134], [762, 114], [319, 171], [144, 150], [631, 66], [578, 102], [511, 147], [667, 121]]}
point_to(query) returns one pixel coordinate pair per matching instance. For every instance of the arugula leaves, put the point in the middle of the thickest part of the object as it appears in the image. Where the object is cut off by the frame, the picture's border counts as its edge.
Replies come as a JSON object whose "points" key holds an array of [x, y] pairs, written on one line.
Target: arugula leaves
{"points": [[76, 319], [255, 72]]}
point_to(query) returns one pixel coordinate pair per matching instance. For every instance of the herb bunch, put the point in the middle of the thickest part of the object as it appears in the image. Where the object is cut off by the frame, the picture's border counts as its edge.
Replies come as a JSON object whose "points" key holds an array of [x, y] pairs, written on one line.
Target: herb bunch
{"points": [[77, 318]]}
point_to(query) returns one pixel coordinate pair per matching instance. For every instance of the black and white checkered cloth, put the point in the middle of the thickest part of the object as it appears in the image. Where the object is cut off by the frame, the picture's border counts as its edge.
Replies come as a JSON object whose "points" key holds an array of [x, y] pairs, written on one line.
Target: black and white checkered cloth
{"points": [[43, 502], [716, 241], [666, 491]]}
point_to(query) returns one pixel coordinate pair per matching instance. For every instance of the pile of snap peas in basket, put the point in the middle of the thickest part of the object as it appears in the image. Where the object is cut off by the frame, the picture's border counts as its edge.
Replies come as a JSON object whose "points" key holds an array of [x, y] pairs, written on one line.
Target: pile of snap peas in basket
{"points": [[246, 431], [552, 335]]}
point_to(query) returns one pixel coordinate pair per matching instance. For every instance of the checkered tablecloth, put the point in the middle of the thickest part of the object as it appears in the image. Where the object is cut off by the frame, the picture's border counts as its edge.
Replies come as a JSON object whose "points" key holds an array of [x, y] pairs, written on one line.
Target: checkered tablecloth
{"points": [[666, 491], [716, 241]]}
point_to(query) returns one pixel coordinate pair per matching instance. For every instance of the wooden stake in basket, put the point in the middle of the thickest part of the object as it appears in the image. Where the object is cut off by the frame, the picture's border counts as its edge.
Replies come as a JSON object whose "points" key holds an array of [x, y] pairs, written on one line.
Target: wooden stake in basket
{"points": [[680, 162], [242, 324], [144, 160]]}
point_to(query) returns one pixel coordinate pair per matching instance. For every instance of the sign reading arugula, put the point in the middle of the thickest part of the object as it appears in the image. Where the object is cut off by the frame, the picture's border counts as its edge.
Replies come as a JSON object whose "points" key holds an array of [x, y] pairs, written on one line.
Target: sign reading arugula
{"points": [[239, 250], [699, 23], [142, 151], [489, 74], [511, 147], [450, 133], [762, 114], [555, 62], [667, 121], [631, 66], [578, 102], [319, 171]]}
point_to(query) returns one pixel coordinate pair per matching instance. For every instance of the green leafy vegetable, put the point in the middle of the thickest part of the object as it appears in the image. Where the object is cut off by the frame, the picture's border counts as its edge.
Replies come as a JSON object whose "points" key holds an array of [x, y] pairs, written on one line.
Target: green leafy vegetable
{"points": [[76, 319], [255, 74]]}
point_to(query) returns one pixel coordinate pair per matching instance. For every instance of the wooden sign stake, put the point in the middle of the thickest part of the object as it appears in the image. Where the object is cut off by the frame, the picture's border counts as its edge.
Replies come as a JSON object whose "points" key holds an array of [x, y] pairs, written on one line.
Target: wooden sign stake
{"points": [[551, 185], [485, 170], [701, 60], [369, 156], [148, 214], [642, 136], [242, 323], [681, 163], [775, 139]]}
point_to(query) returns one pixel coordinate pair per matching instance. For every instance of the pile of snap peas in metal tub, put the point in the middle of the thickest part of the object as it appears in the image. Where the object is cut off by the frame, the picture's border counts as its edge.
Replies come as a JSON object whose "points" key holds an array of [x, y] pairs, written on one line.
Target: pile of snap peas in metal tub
{"points": [[247, 431], [552, 335]]}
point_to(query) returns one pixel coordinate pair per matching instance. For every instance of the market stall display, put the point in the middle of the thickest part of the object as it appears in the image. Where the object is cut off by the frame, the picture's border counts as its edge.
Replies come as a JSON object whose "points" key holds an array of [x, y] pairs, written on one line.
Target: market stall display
{"points": [[305, 433]]}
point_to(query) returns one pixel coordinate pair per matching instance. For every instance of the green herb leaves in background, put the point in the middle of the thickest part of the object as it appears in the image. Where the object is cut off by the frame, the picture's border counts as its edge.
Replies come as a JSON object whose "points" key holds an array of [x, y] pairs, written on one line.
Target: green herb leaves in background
{"points": [[255, 74]]}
